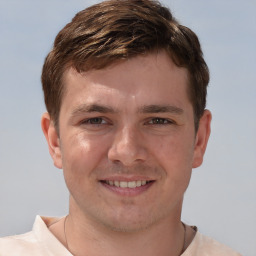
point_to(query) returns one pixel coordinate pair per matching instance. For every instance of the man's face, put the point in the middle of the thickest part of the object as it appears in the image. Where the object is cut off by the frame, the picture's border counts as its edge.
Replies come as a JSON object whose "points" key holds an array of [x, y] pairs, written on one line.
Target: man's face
{"points": [[127, 142]]}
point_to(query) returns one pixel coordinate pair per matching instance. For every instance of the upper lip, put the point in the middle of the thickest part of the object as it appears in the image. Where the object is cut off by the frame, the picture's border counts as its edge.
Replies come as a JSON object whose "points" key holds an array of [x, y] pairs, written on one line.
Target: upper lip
{"points": [[126, 178]]}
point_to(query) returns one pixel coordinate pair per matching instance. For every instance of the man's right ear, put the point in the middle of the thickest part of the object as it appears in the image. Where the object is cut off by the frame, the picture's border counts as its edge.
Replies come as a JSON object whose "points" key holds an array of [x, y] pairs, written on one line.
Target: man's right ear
{"points": [[52, 138]]}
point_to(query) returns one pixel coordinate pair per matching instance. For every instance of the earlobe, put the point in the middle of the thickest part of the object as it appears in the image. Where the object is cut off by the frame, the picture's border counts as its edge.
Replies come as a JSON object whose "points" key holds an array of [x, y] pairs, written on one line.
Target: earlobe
{"points": [[202, 137], [52, 139]]}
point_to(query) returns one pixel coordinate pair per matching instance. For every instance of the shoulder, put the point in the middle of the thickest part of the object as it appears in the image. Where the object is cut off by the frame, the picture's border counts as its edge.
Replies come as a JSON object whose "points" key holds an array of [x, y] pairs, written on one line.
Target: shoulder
{"points": [[39, 242], [203, 245], [18, 245]]}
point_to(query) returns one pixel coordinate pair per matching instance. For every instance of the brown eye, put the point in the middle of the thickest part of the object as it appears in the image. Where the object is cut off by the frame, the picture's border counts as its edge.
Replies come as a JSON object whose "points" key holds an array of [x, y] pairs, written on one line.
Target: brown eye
{"points": [[159, 121]]}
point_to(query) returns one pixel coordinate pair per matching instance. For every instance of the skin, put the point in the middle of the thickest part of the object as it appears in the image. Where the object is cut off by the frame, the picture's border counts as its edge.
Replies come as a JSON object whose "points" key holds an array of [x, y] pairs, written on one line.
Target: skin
{"points": [[130, 121]]}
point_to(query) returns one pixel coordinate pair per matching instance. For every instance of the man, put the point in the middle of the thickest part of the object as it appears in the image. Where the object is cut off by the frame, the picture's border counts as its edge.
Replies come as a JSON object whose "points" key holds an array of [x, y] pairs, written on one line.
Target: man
{"points": [[125, 90]]}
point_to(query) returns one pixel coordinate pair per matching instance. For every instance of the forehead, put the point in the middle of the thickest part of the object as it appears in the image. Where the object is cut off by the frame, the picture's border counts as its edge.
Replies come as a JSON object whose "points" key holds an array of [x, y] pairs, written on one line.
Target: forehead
{"points": [[151, 77]]}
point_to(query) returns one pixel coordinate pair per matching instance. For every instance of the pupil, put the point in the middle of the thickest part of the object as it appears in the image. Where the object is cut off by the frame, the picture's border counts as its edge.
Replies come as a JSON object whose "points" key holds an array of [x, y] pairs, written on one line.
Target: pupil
{"points": [[159, 121], [96, 120]]}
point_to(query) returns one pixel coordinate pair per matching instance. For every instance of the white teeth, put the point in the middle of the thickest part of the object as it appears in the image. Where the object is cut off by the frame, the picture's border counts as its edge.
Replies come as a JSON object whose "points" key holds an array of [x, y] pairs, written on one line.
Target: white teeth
{"points": [[138, 183], [125, 184], [132, 184]]}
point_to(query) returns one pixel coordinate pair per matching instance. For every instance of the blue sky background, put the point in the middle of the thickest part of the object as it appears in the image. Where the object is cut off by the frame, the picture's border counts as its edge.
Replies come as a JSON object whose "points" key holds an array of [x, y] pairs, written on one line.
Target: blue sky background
{"points": [[221, 199]]}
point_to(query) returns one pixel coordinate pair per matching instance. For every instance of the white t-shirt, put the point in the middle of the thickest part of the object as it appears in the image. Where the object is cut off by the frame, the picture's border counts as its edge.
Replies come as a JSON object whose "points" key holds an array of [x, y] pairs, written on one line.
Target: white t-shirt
{"points": [[41, 242]]}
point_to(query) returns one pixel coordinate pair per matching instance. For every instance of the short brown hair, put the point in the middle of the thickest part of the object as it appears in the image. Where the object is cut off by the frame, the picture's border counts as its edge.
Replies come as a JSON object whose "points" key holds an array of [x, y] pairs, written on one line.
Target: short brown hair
{"points": [[119, 29]]}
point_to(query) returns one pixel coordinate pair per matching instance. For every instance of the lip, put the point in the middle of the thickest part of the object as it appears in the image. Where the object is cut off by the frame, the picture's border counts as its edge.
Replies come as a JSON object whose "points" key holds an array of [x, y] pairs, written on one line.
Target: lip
{"points": [[127, 178], [126, 191]]}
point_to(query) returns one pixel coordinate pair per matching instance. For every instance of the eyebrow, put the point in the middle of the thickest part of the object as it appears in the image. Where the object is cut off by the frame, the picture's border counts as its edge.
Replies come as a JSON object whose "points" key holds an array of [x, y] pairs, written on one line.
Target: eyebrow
{"points": [[161, 109], [146, 109], [90, 108]]}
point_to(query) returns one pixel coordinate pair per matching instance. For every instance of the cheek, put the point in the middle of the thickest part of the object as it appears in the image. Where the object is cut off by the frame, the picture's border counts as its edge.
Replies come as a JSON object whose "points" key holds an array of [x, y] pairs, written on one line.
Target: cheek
{"points": [[175, 155], [81, 155], [174, 149]]}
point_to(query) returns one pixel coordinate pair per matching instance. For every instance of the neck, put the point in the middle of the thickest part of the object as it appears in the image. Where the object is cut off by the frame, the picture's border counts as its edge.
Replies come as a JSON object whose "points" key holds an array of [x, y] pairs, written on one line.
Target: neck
{"points": [[165, 238]]}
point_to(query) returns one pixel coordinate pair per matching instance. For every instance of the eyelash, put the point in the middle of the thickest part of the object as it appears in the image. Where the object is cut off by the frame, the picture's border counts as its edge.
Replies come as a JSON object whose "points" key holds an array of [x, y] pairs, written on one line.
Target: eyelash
{"points": [[152, 121], [90, 121], [160, 121]]}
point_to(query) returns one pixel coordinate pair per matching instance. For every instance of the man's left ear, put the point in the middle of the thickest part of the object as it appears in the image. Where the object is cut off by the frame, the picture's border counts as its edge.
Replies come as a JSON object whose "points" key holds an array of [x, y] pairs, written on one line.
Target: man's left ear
{"points": [[202, 137]]}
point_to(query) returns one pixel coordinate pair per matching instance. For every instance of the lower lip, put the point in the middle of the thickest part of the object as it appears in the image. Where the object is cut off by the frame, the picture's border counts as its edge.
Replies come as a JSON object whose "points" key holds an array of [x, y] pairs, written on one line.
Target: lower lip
{"points": [[128, 191]]}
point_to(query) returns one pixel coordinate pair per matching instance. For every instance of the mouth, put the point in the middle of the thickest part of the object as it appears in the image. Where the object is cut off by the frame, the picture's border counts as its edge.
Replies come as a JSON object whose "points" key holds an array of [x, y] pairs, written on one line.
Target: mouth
{"points": [[127, 184]]}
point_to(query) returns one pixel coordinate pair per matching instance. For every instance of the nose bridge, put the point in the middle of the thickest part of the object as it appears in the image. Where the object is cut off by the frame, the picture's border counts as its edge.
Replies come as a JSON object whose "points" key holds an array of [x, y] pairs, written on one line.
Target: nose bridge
{"points": [[127, 146]]}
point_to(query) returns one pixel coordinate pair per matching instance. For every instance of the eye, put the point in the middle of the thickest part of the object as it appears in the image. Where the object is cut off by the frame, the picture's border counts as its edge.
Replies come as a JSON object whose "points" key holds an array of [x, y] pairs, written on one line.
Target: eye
{"points": [[159, 120], [95, 120]]}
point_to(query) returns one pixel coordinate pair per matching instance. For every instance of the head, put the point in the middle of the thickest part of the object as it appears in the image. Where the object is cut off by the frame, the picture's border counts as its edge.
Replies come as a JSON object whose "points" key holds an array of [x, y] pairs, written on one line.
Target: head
{"points": [[124, 86], [117, 30]]}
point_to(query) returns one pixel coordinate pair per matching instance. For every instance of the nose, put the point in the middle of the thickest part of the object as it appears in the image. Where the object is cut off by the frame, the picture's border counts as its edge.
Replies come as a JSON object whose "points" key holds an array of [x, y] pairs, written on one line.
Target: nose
{"points": [[128, 147]]}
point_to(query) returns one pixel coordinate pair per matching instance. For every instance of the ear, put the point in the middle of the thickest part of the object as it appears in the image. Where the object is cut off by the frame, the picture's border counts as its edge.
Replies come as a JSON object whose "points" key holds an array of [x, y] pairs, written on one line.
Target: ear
{"points": [[202, 137], [52, 138]]}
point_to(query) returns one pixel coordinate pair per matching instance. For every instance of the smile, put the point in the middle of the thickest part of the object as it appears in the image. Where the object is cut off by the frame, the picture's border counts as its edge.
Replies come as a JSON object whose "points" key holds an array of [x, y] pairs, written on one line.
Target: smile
{"points": [[127, 184]]}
